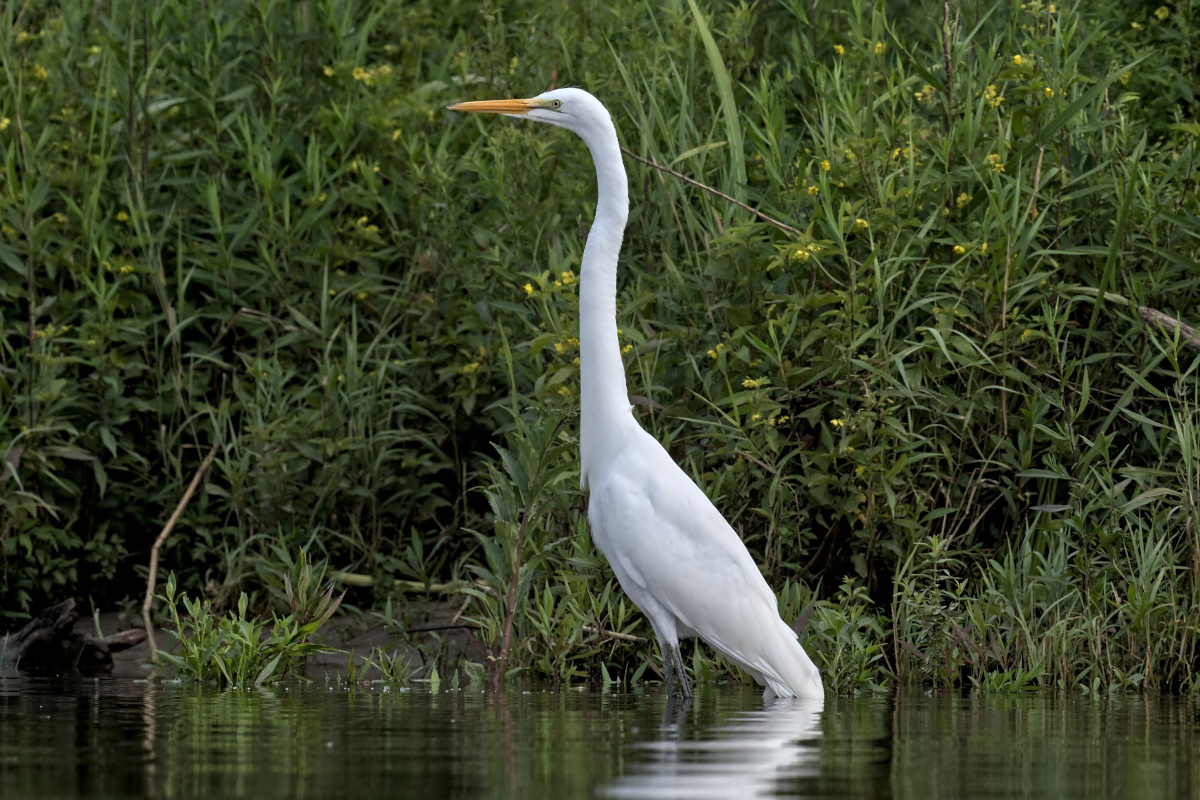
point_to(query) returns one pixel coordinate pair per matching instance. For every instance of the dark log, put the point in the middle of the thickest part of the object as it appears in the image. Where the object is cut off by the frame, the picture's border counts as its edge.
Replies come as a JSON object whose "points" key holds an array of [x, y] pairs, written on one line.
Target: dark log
{"points": [[50, 641]]}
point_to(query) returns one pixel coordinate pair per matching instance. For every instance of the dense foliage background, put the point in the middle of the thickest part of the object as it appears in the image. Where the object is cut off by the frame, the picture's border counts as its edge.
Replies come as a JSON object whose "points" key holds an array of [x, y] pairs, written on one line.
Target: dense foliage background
{"points": [[921, 391]]}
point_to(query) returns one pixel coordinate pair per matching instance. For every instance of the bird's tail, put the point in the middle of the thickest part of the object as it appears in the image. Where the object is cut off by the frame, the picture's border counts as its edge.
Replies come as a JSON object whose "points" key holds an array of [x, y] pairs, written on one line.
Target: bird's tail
{"points": [[792, 673]]}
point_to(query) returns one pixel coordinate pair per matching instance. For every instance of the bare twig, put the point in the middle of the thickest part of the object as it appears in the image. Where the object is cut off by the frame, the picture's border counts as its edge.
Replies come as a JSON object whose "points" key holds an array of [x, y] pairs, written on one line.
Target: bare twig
{"points": [[771, 220], [624, 637], [162, 538], [1169, 325]]}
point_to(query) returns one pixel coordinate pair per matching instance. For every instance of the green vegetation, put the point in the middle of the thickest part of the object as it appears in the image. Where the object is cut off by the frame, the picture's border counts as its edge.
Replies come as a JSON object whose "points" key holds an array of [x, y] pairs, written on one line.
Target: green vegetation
{"points": [[935, 401], [235, 650]]}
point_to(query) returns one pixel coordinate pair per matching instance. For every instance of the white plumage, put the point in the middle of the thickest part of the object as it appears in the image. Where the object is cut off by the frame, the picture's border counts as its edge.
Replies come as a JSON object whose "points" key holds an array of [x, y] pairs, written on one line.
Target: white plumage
{"points": [[674, 554]]}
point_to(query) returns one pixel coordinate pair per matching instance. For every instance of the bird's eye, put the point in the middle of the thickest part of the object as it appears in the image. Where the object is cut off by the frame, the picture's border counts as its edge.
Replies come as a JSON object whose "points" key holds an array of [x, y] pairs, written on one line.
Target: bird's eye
{"points": [[556, 104]]}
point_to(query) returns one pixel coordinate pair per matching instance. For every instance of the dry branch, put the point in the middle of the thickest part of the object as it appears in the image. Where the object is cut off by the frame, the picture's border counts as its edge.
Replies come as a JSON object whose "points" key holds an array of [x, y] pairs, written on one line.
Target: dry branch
{"points": [[1169, 325], [162, 538]]}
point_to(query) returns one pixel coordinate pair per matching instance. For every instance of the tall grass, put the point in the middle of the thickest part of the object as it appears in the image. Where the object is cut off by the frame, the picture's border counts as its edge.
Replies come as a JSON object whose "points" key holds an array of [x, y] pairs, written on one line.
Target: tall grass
{"points": [[929, 401]]}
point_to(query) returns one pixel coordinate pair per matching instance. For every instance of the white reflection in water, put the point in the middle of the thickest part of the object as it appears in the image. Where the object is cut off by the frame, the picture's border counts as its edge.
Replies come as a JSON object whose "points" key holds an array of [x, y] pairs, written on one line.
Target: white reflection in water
{"points": [[749, 757]]}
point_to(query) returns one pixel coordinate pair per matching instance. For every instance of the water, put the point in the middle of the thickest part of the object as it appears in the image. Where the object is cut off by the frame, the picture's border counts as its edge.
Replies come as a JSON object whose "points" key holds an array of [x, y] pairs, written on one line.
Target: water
{"points": [[109, 737]]}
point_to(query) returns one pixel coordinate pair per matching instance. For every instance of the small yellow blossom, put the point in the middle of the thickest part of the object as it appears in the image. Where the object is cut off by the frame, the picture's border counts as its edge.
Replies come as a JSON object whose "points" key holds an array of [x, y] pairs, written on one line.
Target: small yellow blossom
{"points": [[122, 216], [1048, 92], [528, 287], [328, 71], [60, 217], [1137, 26], [1025, 334], [717, 351], [825, 165], [983, 247], [126, 269], [879, 48], [850, 156], [861, 224], [1018, 60], [859, 470], [753, 383], [814, 190], [360, 296], [395, 134], [512, 65], [360, 74], [1162, 12], [4, 123], [108, 267], [371, 229], [333, 292], [94, 50], [800, 256], [962, 200], [959, 249], [40, 73], [837, 423], [755, 417], [1053, 9], [841, 51], [470, 367], [626, 349], [995, 162], [1125, 76]]}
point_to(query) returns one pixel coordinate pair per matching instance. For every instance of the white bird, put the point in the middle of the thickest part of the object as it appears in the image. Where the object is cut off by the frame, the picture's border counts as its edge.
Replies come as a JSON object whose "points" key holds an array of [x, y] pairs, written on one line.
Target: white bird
{"points": [[672, 551]]}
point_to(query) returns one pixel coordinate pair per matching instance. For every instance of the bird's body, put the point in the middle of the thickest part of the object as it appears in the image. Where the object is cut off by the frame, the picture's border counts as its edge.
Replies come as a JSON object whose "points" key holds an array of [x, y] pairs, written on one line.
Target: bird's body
{"points": [[673, 552]]}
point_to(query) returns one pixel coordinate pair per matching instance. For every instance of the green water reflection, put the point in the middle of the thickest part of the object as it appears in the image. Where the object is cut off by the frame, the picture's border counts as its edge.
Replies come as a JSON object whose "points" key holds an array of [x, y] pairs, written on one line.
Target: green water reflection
{"points": [[118, 738]]}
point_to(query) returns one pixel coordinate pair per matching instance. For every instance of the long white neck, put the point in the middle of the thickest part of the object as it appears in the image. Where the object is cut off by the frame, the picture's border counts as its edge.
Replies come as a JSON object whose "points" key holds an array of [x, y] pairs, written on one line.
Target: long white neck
{"points": [[606, 419]]}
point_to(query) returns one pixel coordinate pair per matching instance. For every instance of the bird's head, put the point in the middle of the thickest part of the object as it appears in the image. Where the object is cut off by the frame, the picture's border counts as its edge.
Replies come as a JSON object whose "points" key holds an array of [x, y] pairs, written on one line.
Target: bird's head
{"points": [[573, 109]]}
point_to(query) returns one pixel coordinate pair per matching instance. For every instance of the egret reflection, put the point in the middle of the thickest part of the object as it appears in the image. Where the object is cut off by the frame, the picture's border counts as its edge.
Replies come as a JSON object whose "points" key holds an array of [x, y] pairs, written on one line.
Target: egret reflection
{"points": [[756, 755]]}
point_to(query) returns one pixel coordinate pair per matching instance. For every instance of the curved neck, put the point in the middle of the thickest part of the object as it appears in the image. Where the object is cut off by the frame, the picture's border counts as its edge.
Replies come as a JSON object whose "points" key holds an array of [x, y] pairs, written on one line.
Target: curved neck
{"points": [[605, 412]]}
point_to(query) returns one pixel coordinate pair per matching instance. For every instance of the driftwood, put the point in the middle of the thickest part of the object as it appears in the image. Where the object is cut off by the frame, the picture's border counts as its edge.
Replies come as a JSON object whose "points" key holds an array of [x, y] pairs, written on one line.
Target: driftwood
{"points": [[1169, 326], [50, 640]]}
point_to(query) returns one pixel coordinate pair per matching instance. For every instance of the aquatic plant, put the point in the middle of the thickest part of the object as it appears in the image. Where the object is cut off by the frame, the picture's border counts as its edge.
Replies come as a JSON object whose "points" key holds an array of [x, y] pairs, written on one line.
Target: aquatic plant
{"points": [[236, 649]]}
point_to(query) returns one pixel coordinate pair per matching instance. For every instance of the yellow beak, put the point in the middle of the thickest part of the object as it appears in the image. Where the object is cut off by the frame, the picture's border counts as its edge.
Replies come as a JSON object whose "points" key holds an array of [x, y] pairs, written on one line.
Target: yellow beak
{"points": [[494, 106]]}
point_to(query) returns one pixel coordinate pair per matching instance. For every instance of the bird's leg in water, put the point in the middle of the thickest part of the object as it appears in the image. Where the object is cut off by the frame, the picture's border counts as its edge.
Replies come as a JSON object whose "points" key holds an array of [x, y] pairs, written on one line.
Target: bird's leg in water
{"points": [[673, 669]]}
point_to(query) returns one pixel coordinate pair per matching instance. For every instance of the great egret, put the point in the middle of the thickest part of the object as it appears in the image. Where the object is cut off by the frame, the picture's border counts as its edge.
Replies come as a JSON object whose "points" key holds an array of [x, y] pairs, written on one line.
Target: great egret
{"points": [[673, 552]]}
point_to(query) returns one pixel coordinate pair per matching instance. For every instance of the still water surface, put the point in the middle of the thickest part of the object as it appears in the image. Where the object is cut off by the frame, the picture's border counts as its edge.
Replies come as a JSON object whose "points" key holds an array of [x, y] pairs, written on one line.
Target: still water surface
{"points": [[108, 737]]}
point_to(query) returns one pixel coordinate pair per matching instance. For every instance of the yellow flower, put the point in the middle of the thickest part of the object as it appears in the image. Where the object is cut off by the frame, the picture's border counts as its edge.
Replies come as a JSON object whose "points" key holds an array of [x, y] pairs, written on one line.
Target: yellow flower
{"points": [[126, 269], [755, 417], [528, 287], [1137, 26], [841, 51], [825, 165], [568, 277], [861, 224], [371, 229], [837, 423], [60, 217], [361, 74], [4, 123], [333, 292], [754, 383], [626, 349], [814, 190], [962, 200], [360, 296], [395, 134], [1162, 12], [995, 162], [328, 71], [959, 249], [879, 48], [560, 348], [712, 353], [983, 247], [801, 256], [40, 73], [990, 91], [859, 470], [1125, 76], [1053, 9], [470, 367], [1048, 92], [122, 216], [850, 156], [1017, 60]]}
